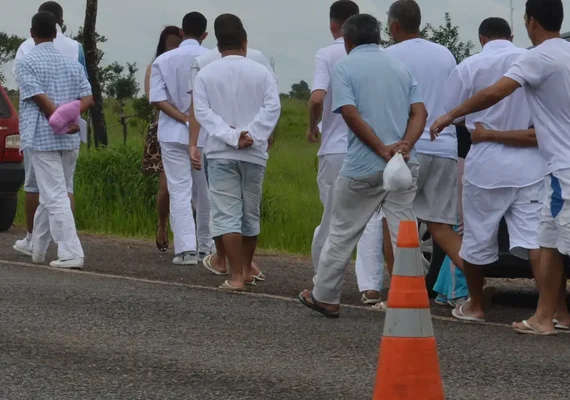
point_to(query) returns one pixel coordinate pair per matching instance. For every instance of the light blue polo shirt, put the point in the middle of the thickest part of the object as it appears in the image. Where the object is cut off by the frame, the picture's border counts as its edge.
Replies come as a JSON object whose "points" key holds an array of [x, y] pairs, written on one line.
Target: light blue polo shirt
{"points": [[382, 89]]}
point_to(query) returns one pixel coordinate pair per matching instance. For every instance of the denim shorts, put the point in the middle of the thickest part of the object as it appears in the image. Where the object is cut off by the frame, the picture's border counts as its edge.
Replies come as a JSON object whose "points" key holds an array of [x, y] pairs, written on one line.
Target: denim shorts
{"points": [[236, 189]]}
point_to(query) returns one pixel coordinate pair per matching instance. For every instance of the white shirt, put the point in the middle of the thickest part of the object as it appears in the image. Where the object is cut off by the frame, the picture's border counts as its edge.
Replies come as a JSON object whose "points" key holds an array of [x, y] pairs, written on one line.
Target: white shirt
{"points": [[431, 64], [169, 77], [62, 43], [333, 128], [213, 55], [493, 165], [544, 72], [232, 95]]}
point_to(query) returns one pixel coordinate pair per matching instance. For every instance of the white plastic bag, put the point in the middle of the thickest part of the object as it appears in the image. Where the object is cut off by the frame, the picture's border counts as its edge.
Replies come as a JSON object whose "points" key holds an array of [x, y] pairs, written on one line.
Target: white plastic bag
{"points": [[397, 175]]}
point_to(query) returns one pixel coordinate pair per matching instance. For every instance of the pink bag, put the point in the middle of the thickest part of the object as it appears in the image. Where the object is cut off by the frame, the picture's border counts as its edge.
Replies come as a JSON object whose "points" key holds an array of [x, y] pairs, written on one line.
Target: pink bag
{"points": [[65, 115]]}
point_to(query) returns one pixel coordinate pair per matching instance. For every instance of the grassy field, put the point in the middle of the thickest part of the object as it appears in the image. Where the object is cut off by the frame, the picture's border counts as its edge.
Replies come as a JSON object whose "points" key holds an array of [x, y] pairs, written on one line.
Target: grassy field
{"points": [[114, 197]]}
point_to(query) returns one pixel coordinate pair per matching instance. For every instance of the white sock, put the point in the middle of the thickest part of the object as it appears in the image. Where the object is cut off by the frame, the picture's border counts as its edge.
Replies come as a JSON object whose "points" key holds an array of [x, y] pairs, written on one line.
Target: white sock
{"points": [[29, 237]]}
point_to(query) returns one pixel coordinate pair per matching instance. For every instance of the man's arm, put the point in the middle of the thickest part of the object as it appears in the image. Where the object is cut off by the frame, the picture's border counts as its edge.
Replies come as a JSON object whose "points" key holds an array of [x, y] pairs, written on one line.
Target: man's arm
{"points": [[482, 100], [321, 83], [159, 96], [262, 126], [520, 138], [416, 124], [207, 118], [193, 126]]}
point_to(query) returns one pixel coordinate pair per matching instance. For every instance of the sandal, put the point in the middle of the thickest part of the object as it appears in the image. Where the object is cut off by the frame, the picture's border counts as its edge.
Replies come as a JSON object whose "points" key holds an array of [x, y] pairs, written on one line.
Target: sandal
{"points": [[259, 277], [228, 287], [460, 315], [164, 245], [207, 263], [369, 302], [313, 305], [528, 329]]}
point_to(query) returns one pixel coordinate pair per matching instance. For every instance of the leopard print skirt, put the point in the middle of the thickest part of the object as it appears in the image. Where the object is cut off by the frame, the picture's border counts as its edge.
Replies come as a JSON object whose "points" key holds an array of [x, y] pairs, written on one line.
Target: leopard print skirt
{"points": [[152, 159]]}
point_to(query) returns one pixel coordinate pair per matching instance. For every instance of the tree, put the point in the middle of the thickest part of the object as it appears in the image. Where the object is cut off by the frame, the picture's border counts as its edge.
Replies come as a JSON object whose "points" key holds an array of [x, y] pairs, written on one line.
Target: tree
{"points": [[300, 91], [121, 87], [8, 47], [447, 35], [143, 113], [92, 58]]}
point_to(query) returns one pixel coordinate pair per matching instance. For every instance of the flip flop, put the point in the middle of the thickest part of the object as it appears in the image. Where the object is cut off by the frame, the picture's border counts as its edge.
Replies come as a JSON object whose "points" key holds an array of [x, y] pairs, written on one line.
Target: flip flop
{"points": [[252, 283], [561, 327], [531, 330], [367, 301], [460, 315], [259, 277], [228, 287], [382, 306], [207, 263], [314, 306]]}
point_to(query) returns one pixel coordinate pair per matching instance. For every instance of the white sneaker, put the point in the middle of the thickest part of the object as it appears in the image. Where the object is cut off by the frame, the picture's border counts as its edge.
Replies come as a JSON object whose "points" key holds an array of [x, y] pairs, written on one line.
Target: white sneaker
{"points": [[38, 258], [76, 263], [24, 247], [186, 258]]}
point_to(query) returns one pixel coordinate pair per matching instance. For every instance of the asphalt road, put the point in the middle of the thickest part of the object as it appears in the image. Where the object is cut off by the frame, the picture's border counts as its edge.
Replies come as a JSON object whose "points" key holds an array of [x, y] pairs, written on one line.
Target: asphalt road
{"points": [[132, 326]]}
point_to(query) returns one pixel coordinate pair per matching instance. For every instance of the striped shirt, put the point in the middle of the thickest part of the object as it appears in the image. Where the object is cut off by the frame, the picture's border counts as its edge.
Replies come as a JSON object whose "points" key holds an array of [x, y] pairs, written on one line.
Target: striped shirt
{"points": [[46, 71]]}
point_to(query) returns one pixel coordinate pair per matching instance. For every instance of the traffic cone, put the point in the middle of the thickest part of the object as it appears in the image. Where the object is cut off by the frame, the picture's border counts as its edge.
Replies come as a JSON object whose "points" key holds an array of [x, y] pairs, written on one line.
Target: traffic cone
{"points": [[408, 364]]}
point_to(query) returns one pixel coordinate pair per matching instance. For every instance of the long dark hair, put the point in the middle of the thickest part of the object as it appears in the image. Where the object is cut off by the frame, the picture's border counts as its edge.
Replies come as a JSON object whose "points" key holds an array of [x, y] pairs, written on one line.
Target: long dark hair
{"points": [[169, 30]]}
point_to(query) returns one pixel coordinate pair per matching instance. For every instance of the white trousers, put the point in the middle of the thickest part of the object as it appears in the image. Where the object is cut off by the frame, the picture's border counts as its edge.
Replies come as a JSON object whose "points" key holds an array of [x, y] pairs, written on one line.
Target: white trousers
{"points": [[370, 256], [54, 219], [176, 162], [201, 202]]}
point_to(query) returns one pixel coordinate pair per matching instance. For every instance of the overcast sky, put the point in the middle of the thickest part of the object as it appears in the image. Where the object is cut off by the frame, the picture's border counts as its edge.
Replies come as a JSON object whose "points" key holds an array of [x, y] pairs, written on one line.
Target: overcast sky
{"points": [[290, 31]]}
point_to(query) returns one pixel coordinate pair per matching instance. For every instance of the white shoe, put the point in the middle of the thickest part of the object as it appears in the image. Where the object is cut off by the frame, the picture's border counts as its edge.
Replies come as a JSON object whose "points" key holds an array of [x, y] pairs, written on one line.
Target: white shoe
{"points": [[38, 258], [24, 247], [186, 258], [76, 263], [202, 255]]}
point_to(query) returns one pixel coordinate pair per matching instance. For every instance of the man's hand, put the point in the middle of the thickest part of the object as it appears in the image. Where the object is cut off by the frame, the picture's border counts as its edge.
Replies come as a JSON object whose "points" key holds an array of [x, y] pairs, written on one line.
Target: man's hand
{"points": [[313, 136], [403, 147], [480, 134], [73, 129], [439, 125], [245, 140], [195, 158]]}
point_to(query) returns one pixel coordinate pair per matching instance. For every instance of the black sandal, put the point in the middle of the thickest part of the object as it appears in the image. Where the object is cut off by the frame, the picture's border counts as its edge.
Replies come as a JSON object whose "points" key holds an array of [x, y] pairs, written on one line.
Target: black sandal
{"points": [[164, 245], [314, 306]]}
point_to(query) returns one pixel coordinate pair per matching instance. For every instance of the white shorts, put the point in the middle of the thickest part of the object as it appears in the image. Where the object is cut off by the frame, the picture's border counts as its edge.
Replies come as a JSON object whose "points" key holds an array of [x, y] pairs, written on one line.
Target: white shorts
{"points": [[483, 210], [555, 220]]}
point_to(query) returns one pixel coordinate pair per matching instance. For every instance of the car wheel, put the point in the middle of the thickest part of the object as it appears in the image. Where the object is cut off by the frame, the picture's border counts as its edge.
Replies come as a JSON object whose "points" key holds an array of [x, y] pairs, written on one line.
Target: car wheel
{"points": [[432, 258], [8, 207]]}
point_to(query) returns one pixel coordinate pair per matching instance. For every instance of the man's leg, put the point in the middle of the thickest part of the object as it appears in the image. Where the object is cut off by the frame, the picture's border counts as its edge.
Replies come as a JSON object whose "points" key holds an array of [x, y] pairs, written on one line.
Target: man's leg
{"points": [[201, 201], [162, 209], [226, 202], [31, 202], [436, 203], [370, 260], [252, 192], [483, 210], [329, 167], [52, 171], [176, 162], [355, 201]]}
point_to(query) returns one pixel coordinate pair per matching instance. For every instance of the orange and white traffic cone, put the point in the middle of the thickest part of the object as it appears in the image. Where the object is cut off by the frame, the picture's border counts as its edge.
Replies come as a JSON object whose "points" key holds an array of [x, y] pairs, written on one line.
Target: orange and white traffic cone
{"points": [[408, 364]]}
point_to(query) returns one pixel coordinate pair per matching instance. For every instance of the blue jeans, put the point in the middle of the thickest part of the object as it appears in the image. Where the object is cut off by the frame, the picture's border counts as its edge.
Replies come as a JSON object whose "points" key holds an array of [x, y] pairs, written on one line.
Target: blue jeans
{"points": [[236, 189]]}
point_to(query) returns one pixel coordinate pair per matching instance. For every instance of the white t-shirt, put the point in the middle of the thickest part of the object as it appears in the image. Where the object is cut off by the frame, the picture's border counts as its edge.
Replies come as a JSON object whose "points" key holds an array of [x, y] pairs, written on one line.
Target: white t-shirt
{"points": [[493, 165], [232, 95], [544, 72], [431, 64], [333, 128], [213, 55]]}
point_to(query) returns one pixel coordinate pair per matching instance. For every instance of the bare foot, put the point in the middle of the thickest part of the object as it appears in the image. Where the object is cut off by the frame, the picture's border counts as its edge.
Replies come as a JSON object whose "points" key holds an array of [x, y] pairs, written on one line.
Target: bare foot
{"points": [[217, 264], [468, 310]]}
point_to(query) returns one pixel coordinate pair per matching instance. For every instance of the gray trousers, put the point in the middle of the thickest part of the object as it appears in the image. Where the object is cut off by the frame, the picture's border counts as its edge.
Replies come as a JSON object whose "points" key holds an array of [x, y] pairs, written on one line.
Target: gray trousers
{"points": [[355, 201]]}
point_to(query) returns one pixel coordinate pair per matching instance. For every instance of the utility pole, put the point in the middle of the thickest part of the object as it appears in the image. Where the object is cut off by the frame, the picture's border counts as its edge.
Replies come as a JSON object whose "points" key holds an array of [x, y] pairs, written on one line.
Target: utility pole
{"points": [[512, 21], [272, 62]]}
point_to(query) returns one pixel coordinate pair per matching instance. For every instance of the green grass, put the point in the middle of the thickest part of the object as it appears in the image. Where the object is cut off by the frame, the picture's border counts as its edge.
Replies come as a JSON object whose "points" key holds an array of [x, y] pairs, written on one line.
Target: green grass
{"points": [[113, 197]]}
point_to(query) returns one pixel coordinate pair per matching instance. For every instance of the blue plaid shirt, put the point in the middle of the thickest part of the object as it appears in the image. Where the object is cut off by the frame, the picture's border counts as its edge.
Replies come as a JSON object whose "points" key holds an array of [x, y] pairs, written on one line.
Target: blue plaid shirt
{"points": [[46, 71]]}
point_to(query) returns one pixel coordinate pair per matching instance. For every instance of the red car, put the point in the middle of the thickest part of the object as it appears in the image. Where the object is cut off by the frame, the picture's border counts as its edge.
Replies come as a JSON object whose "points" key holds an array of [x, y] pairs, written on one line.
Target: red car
{"points": [[11, 162]]}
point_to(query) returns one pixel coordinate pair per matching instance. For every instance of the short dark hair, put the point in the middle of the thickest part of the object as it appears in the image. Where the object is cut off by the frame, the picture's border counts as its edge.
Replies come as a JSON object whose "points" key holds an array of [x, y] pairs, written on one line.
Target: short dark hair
{"points": [[361, 29], [342, 10], [407, 13], [229, 32], [495, 28], [54, 8], [548, 13], [194, 24], [43, 25]]}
